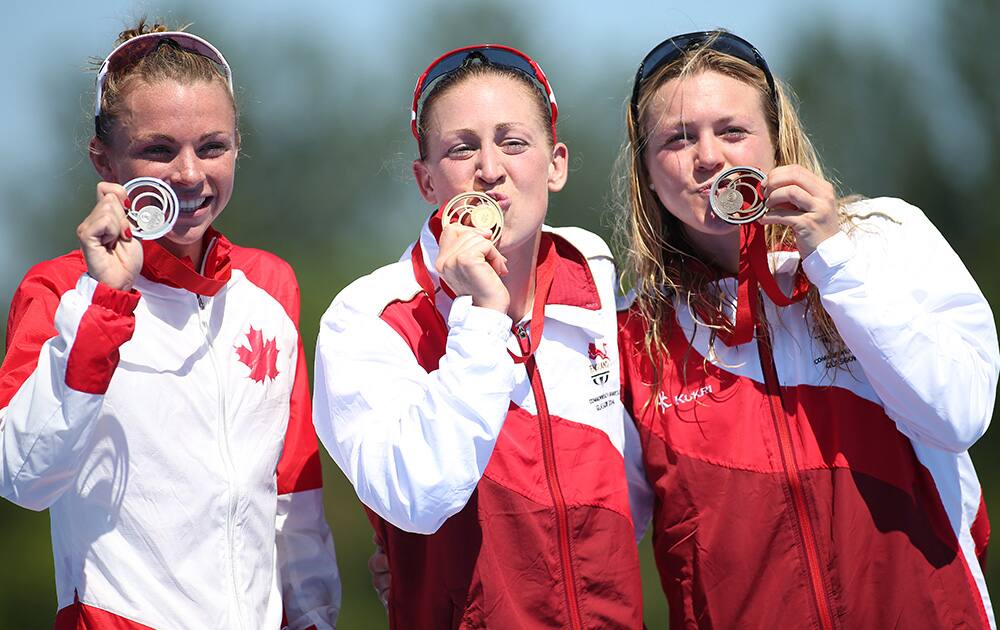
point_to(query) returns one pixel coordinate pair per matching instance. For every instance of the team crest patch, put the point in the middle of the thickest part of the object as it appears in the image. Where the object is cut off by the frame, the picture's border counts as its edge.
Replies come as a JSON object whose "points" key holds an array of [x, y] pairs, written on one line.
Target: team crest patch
{"points": [[600, 364], [260, 355]]}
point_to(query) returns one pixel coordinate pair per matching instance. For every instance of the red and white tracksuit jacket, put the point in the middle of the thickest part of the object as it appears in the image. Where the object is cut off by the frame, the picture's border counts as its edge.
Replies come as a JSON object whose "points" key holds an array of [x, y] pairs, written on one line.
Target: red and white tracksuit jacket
{"points": [[497, 489], [168, 432], [796, 489]]}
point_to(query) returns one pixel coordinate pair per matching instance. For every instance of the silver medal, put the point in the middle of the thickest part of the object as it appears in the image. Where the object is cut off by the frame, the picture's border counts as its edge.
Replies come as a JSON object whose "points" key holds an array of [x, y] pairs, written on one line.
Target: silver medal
{"points": [[476, 210], [736, 195], [154, 207]]}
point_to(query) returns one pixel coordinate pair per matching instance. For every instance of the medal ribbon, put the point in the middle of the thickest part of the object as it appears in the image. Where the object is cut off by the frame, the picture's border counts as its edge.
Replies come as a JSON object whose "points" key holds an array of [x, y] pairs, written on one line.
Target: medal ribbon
{"points": [[753, 275]]}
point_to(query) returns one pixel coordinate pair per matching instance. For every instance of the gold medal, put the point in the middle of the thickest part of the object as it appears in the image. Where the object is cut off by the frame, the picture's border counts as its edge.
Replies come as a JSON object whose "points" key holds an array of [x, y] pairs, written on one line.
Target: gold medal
{"points": [[475, 210]]}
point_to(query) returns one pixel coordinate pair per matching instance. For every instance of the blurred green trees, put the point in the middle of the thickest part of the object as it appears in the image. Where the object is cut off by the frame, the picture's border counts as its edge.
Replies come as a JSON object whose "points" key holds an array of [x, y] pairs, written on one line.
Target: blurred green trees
{"points": [[324, 181]]}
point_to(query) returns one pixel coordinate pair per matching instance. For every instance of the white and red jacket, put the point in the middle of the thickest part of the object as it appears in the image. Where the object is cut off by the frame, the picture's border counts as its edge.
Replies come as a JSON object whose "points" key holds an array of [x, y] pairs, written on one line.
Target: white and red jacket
{"points": [[168, 432], [497, 489], [795, 488]]}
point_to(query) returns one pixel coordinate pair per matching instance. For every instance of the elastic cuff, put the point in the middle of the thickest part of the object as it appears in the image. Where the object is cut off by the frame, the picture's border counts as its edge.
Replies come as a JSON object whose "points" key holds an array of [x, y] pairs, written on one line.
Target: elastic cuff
{"points": [[478, 319], [99, 294], [831, 254], [121, 302]]}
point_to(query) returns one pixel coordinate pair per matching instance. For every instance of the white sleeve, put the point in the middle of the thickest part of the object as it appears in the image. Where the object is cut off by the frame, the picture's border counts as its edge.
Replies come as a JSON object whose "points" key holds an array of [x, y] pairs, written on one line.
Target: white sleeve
{"points": [[919, 326], [45, 427], [307, 562], [414, 444], [640, 494]]}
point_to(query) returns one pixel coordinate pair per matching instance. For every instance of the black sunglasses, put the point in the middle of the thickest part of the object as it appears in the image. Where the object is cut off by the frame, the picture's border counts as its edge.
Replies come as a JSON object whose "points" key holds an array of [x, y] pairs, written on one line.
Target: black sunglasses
{"points": [[721, 41], [494, 54]]}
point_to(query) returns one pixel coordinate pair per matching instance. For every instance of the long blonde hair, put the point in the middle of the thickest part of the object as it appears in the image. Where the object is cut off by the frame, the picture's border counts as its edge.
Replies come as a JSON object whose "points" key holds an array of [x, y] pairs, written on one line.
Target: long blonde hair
{"points": [[658, 258]]}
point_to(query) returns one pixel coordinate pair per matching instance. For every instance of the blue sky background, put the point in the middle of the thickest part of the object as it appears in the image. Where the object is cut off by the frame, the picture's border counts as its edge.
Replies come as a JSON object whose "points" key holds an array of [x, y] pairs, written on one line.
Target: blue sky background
{"points": [[49, 43]]}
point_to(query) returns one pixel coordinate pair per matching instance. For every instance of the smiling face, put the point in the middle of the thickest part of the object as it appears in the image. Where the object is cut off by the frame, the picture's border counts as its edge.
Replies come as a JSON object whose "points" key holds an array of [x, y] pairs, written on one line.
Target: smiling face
{"points": [[698, 126], [486, 134], [185, 134]]}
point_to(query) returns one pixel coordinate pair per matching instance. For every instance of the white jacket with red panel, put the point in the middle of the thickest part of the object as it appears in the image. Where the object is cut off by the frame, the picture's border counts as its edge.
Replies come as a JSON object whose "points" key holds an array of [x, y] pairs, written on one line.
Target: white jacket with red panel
{"points": [[799, 489], [497, 489], [168, 432]]}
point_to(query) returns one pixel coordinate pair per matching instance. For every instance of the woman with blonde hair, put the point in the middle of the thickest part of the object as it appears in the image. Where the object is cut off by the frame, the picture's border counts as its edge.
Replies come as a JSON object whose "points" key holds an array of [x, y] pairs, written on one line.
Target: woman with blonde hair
{"points": [[154, 395], [807, 384]]}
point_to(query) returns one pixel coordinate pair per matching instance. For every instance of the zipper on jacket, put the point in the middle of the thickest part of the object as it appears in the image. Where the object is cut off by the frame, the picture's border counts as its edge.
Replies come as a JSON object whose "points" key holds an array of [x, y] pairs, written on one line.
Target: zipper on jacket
{"points": [[794, 480], [227, 460], [552, 477]]}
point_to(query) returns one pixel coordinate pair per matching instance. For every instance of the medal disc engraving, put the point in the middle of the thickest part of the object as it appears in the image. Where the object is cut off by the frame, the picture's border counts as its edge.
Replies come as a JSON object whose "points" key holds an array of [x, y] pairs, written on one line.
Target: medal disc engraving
{"points": [[475, 210], [736, 196], [730, 201], [153, 208]]}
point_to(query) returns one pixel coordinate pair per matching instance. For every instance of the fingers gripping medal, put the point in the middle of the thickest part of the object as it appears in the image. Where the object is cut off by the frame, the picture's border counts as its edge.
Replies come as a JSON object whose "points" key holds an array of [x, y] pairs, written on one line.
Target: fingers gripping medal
{"points": [[154, 207], [476, 210], [736, 196]]}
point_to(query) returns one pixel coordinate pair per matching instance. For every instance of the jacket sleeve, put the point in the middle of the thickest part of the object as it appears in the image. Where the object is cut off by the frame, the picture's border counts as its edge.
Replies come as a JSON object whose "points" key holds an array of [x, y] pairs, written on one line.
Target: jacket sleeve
{"points": [[919, 326], [640, 493], [413, 443], [306, 559], [62, 350], [641, 497]]}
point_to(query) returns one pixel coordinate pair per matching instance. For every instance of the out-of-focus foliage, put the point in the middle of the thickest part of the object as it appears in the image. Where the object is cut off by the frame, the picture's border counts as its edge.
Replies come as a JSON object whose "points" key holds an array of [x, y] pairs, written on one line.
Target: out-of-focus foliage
{"points": [[324, 181]]}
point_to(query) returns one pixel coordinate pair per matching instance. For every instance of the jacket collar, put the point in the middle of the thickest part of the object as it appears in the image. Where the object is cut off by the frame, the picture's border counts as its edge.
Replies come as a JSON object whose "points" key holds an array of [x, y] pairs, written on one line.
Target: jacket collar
{"points": [[161, 266]]}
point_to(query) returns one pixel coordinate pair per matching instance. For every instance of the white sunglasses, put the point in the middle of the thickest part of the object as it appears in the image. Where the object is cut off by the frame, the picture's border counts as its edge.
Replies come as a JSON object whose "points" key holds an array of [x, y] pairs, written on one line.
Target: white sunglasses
{"points": [[136, 48]]}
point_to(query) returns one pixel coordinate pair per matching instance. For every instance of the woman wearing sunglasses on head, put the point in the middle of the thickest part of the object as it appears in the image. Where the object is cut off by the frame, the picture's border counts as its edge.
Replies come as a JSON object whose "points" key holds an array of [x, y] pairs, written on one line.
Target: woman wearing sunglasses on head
{"points": [[470, 392], [806, 385], [154, 391]]}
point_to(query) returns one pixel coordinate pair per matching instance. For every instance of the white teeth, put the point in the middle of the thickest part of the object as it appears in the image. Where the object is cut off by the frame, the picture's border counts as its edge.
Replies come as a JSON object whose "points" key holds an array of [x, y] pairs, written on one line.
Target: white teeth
{"points": [[190, 205]]}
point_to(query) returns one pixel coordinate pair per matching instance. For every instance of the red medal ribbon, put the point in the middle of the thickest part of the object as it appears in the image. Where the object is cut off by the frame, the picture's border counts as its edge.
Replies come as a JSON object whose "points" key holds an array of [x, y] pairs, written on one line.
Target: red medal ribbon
{"points": [[754, 275]]}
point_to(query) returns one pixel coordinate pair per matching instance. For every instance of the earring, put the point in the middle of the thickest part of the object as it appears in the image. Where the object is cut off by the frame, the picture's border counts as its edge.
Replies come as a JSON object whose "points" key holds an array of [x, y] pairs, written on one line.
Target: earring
{"points": [[651, 187]]}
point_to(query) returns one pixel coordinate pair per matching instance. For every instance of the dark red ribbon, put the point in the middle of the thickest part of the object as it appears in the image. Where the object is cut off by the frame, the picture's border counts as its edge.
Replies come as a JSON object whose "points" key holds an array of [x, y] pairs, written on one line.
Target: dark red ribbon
{"points": [[754, 275]]}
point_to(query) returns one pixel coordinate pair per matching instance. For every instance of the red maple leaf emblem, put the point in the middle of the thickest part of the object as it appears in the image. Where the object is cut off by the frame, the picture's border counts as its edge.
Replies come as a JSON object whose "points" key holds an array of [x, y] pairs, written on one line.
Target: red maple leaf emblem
{"points": [[261, 357]]}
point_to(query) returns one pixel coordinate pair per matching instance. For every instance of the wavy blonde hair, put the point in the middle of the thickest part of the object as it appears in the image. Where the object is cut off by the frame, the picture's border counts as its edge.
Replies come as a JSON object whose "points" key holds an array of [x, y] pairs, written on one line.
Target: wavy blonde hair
{"points": [[657, 254]]}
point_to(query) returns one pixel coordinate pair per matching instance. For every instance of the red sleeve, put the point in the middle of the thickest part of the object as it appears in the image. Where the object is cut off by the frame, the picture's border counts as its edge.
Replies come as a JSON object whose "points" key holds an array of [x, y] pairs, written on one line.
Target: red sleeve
{"points": [[299, 467], [30, 322], [104, 327]]}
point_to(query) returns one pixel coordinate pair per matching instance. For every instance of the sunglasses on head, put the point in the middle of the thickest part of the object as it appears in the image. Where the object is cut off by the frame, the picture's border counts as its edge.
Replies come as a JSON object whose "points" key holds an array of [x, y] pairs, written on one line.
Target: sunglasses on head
{"points": [[132, 50], [491, 54], [721, 41]]}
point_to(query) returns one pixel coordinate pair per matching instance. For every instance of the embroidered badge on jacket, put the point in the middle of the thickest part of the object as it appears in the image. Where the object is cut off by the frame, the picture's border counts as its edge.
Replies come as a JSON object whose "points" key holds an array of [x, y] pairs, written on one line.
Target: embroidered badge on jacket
{"points": [[600, 364]]}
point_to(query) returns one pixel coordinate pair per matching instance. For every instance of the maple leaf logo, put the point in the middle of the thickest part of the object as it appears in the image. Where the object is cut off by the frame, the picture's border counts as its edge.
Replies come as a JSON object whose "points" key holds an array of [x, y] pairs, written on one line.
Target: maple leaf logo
{"points": [[261, 357]]}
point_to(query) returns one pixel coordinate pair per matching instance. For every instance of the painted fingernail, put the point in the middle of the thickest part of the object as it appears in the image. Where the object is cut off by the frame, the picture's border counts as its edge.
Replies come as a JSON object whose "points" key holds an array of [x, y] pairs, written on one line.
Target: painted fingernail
{"points": [[128, 234], [127, 203]]}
